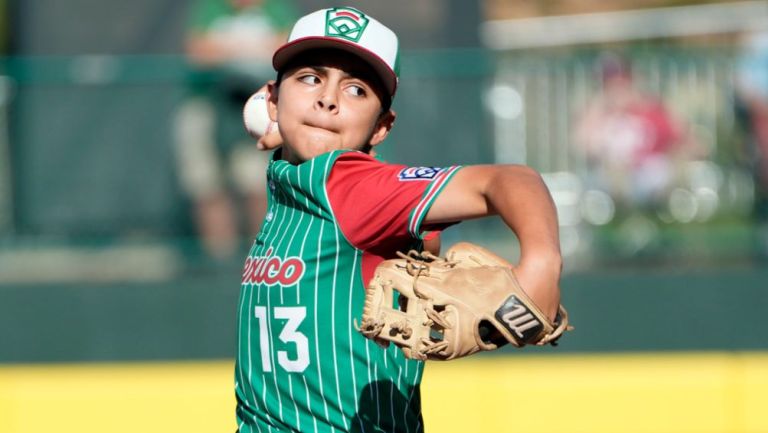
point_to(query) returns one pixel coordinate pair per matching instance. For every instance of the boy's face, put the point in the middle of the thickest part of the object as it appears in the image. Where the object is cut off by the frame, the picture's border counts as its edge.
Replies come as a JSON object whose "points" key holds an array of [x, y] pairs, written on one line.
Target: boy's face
{"points": [[330, 100]]}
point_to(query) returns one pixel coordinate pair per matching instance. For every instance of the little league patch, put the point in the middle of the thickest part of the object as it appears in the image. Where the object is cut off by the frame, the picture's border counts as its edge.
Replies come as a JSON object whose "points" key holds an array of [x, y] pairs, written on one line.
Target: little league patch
{"points": [[419, 173], [346, 23]]}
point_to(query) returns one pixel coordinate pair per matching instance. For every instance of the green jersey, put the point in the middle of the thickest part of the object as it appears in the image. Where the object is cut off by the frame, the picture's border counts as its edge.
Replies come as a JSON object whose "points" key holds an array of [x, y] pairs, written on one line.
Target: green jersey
{"points": [[301, 365]]}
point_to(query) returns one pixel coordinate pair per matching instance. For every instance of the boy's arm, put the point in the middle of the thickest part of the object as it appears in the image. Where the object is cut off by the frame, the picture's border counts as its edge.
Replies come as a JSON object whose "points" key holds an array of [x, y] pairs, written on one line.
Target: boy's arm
{"points": [[519, 196]]}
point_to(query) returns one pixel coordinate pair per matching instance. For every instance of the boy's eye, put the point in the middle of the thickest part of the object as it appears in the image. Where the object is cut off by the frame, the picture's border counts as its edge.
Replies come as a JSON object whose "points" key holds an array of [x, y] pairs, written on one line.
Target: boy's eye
{"points": [[309, 79], [356, 90]]}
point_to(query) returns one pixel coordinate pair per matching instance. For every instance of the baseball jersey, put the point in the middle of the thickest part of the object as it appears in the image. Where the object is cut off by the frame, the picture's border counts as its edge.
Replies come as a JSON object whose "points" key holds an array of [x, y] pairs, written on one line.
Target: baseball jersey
{"points": [[301, 365]]}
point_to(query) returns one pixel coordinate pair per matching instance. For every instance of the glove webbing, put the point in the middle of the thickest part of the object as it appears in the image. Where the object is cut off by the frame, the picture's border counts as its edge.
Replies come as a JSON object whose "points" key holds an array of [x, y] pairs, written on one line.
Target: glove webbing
{"points": [[417, 264]]}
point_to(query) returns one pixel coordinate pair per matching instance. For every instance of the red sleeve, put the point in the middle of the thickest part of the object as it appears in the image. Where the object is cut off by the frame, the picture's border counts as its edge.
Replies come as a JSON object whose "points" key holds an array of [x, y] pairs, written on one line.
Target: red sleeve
{"points": [[374, 202]]}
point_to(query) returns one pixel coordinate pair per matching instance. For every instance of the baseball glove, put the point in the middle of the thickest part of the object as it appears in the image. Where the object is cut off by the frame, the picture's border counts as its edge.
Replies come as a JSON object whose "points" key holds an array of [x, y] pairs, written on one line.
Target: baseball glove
{"points": [[454, 306]]}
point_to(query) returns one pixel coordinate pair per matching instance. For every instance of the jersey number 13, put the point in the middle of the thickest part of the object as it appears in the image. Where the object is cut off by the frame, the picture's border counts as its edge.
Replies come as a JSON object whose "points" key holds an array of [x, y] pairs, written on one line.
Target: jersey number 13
{"points": [[289, 335]]}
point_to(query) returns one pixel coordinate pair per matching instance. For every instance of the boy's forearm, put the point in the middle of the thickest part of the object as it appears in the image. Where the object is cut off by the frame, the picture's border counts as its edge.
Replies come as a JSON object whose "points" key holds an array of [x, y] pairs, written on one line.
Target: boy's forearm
{"points": [[521, 198], [517, 194]]}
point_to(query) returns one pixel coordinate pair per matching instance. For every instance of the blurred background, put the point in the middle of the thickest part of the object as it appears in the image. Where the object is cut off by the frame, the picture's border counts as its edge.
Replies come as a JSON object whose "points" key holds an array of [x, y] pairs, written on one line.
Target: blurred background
{"points": [[129, 193]]}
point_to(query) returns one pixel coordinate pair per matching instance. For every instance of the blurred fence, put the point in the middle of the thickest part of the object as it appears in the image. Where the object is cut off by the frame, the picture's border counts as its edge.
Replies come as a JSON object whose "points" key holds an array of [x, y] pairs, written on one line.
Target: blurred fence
{"points": [[697, 83], [535, 100]]}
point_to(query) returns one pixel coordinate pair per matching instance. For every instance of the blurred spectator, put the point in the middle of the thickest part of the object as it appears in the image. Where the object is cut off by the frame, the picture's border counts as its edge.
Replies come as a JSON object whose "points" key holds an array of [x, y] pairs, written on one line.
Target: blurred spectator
{"points": [[229, 46], [633, 144], [752, 105]]}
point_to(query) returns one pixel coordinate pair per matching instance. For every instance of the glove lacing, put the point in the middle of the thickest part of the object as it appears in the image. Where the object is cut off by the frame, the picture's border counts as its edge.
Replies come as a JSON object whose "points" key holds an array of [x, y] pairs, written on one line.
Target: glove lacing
{"points": [[561, 325], [418, 264]]}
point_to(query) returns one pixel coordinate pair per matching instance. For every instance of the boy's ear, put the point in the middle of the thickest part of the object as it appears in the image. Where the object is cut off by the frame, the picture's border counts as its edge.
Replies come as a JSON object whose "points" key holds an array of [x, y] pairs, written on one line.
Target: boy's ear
{"points": [[272, 92], [383, 125]]}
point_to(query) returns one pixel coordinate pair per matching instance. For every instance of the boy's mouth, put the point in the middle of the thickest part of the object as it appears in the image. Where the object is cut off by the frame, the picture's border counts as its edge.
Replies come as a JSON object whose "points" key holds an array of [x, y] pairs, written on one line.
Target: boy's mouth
{"points": [[327, 128]]}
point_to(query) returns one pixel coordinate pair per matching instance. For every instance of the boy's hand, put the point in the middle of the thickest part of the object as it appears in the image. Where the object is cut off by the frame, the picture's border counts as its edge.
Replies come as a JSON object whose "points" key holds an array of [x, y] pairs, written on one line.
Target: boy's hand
{"points": [[270, 141]]}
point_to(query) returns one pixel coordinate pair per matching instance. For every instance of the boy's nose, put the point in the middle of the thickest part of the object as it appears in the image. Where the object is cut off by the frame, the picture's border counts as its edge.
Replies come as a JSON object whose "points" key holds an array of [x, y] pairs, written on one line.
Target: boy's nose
{"points": [[327, 101]]}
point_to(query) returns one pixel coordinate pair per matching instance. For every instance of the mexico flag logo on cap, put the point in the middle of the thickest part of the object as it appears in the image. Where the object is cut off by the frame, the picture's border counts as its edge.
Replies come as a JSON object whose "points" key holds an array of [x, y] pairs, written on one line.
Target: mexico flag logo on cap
{"points": [[346, 23]]}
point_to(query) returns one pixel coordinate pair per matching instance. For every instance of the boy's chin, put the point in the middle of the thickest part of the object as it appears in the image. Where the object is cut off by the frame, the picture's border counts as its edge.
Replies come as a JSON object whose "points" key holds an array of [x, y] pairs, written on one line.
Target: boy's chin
{"points": [[315, 145], [317, 148], [307, 152]]}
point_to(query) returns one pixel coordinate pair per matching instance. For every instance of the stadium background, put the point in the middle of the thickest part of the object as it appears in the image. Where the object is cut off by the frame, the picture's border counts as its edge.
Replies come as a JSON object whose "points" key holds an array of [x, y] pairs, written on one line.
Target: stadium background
{"points": [[111, 319]]}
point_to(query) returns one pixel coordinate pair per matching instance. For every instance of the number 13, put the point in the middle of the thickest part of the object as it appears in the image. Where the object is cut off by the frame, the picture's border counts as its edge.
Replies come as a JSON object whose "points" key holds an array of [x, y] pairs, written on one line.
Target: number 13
{"points": [[289, 334]]}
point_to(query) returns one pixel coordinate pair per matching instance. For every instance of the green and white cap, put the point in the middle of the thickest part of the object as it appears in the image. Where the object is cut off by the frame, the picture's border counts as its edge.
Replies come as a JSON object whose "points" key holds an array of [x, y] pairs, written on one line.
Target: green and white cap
{"points": [[347, 29]]}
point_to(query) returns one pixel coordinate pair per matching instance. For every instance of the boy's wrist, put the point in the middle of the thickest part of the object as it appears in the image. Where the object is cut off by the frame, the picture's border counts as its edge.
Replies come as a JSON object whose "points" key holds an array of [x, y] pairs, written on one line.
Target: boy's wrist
{"points": [[543, 261], [539, 276]]}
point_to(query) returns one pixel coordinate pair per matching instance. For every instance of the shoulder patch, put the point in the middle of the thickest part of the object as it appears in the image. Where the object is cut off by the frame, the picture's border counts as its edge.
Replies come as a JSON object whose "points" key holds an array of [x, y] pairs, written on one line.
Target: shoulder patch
{"points": [[418, 173]]}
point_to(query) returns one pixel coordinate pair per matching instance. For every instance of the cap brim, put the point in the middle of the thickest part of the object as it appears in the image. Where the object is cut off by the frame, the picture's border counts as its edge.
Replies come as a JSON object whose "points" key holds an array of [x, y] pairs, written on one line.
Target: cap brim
{"points": [[288, 51]]}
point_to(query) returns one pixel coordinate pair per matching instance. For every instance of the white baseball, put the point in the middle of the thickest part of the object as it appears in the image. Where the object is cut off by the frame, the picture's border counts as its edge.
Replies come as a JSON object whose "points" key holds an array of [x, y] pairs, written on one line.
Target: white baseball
{"points": [[256, 117]]}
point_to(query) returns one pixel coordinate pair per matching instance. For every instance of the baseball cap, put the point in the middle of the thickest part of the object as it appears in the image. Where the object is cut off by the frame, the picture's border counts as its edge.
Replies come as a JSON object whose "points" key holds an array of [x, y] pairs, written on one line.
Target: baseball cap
{"points": [[348, 29]]}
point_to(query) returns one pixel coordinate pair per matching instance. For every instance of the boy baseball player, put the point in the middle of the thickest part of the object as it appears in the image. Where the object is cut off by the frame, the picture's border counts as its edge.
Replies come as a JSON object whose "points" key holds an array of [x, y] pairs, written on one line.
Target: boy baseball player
{"points": [[334, 214]]}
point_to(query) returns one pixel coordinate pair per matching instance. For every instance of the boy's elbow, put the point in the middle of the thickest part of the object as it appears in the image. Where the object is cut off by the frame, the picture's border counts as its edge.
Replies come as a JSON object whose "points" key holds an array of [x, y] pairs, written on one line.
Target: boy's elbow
{"points": [[521, 174]]}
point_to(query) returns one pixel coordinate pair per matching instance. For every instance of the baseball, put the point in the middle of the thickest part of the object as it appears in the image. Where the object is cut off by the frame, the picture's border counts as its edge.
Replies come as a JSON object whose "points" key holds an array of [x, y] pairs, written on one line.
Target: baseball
{"points": [[255, 116]]}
